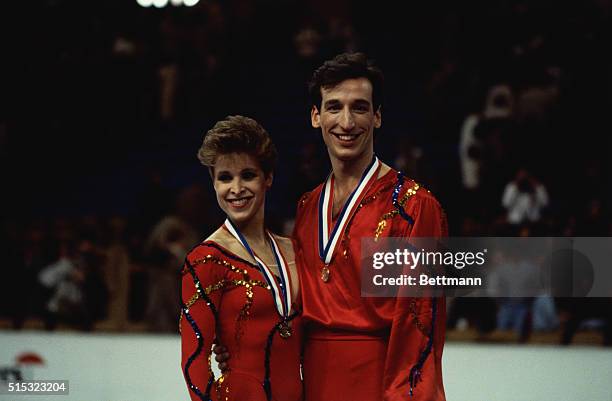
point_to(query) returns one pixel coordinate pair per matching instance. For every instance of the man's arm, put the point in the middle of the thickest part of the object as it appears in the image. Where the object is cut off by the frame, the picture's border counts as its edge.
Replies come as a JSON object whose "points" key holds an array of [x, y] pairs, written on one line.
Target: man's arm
{"points": [[414, 356]]}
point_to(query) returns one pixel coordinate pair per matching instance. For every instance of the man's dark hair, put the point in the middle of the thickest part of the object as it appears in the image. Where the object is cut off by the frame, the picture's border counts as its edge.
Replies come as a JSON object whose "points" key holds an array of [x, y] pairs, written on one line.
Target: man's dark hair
{"points": [[347, 66]]}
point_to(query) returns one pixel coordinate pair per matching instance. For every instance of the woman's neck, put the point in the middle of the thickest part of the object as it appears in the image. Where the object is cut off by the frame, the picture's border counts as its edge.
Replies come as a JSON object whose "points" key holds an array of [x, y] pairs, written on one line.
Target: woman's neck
{"points": [[253, 231]]}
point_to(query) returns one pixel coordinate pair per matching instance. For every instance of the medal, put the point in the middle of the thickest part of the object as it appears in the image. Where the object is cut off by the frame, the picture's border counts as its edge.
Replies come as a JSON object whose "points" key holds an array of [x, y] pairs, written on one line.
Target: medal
{"points": [[284, 330], [325, 274], [327, 240], [281, 292]]}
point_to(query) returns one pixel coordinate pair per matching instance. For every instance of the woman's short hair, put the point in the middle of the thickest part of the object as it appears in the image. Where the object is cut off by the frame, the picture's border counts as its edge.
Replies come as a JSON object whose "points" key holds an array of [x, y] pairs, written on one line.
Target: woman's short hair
{"points": [[238, 134]]}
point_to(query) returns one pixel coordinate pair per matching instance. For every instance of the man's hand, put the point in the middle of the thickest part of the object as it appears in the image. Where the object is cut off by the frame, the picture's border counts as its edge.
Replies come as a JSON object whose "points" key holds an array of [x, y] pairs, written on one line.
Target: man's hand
{"points": [[222, 356]]}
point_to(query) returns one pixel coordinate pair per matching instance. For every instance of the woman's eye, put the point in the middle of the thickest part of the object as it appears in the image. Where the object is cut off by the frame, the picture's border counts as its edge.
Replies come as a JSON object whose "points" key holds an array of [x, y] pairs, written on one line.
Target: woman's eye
{"points": [[249, 175], [224, 177]]}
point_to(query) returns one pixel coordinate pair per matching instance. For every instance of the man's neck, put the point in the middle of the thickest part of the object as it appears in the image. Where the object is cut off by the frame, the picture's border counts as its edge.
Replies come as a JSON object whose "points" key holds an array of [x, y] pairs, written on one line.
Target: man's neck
{"points": [[347, 173]]}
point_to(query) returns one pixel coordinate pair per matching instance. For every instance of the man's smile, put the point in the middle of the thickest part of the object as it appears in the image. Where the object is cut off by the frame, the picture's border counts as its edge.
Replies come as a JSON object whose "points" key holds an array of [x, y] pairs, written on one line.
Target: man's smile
{"points": [[346, 137]]}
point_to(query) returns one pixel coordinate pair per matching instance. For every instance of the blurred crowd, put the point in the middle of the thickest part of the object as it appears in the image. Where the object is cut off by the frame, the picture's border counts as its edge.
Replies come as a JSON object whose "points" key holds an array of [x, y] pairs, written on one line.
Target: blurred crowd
{"points": [[499, 108]]}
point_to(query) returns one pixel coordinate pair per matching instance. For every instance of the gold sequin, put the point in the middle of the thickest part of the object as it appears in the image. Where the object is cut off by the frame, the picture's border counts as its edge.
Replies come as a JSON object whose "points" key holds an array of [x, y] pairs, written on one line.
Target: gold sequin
{"points": [[211, 288], [382, 224], [303, 199], [219, 386], [346, 237], [380, 228], [244, 281]]}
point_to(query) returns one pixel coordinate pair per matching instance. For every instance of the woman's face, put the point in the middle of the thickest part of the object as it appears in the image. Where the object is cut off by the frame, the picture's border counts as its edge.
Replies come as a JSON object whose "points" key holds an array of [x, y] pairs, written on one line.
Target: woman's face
{"points": [[240, 185]]}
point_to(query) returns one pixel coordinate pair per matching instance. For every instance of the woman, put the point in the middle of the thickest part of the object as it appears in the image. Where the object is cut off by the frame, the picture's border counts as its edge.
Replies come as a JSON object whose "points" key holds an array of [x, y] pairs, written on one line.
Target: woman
{"points": [[239, 286]]}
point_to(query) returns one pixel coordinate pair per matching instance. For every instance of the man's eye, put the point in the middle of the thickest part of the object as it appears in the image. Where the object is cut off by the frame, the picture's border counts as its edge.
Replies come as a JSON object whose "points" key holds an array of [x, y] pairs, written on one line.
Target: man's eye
{"points": [[361, 109], [333, 109]]}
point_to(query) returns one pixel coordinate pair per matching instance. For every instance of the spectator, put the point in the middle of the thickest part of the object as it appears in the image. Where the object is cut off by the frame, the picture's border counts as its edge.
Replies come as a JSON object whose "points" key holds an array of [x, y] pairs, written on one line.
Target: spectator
{"points": [[166, 248], [79, 294], [117, 275], [481, 146], [524, 198]]}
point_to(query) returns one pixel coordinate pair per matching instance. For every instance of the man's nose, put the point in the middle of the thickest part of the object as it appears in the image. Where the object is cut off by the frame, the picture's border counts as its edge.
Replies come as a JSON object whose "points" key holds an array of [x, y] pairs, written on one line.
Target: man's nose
{"points": [[347, 122]]}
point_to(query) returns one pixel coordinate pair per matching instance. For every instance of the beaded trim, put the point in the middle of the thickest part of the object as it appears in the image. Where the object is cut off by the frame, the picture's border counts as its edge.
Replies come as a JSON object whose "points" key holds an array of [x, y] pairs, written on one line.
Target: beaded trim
{"points": [[206, 395], [398, 205], [211, 288], [229, 255], [365, 201], [415, 375], [203, 294], [415, 318], [396, 192], [303, 199], [347, 235], [220, 389], [248, 284], [246, 281]]}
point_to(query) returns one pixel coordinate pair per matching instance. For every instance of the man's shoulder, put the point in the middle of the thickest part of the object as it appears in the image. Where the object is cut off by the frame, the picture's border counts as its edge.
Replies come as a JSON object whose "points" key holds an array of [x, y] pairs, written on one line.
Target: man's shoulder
{"points": [[406, 189], [425, 195], [310, 198], [409, 188]]}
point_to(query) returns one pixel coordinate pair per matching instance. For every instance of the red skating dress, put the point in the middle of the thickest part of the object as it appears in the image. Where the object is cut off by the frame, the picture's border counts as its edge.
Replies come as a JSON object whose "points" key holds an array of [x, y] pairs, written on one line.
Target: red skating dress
{"points": [[226, 298], [369, 349]]}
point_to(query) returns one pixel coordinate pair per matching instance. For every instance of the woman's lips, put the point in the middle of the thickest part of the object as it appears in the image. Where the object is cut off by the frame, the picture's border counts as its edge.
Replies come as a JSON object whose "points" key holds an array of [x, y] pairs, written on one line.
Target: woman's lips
{"points": [[239, 203]]}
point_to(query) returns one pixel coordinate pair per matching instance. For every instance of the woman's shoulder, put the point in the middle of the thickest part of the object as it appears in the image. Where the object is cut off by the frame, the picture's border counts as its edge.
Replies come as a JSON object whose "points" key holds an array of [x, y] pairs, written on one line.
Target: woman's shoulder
{"points": [[202, 253], [212, 247], [286, 246], [222, 249]]}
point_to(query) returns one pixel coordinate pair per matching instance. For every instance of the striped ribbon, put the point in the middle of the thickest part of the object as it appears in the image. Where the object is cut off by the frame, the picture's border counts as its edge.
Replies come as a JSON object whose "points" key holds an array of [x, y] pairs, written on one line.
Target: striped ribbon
{"points": [[327, 241], [280, 291]]}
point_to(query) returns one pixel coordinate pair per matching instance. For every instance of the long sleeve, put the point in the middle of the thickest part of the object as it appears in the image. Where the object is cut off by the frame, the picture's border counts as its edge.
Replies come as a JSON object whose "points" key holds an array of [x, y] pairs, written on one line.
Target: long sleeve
{"points": [[415, 346], [198, 321]]}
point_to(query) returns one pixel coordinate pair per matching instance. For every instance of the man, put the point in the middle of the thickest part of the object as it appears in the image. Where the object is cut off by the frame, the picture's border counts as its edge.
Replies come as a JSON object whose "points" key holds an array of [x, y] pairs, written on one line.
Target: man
{"points": [[362, 349]]}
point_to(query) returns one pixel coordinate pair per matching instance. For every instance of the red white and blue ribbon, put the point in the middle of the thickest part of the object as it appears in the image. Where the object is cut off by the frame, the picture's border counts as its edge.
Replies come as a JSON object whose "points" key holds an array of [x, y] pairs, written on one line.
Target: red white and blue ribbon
{"points": [[327, 241], [280, 291]]}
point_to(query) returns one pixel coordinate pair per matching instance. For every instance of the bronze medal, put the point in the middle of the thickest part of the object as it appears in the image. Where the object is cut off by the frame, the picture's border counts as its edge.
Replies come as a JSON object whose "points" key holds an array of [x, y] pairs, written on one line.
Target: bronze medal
{"points": [[325, 274], [284, 330]]}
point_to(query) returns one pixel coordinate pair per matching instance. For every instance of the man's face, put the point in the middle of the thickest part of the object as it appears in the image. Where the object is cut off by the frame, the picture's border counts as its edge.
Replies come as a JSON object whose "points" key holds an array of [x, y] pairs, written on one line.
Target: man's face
{"points": [[347, 119]]}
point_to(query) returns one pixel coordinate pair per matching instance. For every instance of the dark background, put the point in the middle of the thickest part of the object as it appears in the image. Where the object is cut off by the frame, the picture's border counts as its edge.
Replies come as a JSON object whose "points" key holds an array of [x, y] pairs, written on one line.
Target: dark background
{"points": [[85, 138]]}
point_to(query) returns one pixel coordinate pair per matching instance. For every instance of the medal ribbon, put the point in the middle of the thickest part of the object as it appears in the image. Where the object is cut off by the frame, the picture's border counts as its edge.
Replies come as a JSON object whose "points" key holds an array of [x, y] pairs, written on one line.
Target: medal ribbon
{"points": [[282, 292], [327, 241]]}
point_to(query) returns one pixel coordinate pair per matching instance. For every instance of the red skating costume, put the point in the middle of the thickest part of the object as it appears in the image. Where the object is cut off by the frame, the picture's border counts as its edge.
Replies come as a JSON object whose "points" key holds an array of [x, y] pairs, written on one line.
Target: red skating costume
{"points": [[226, 298], [369, 349]]}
